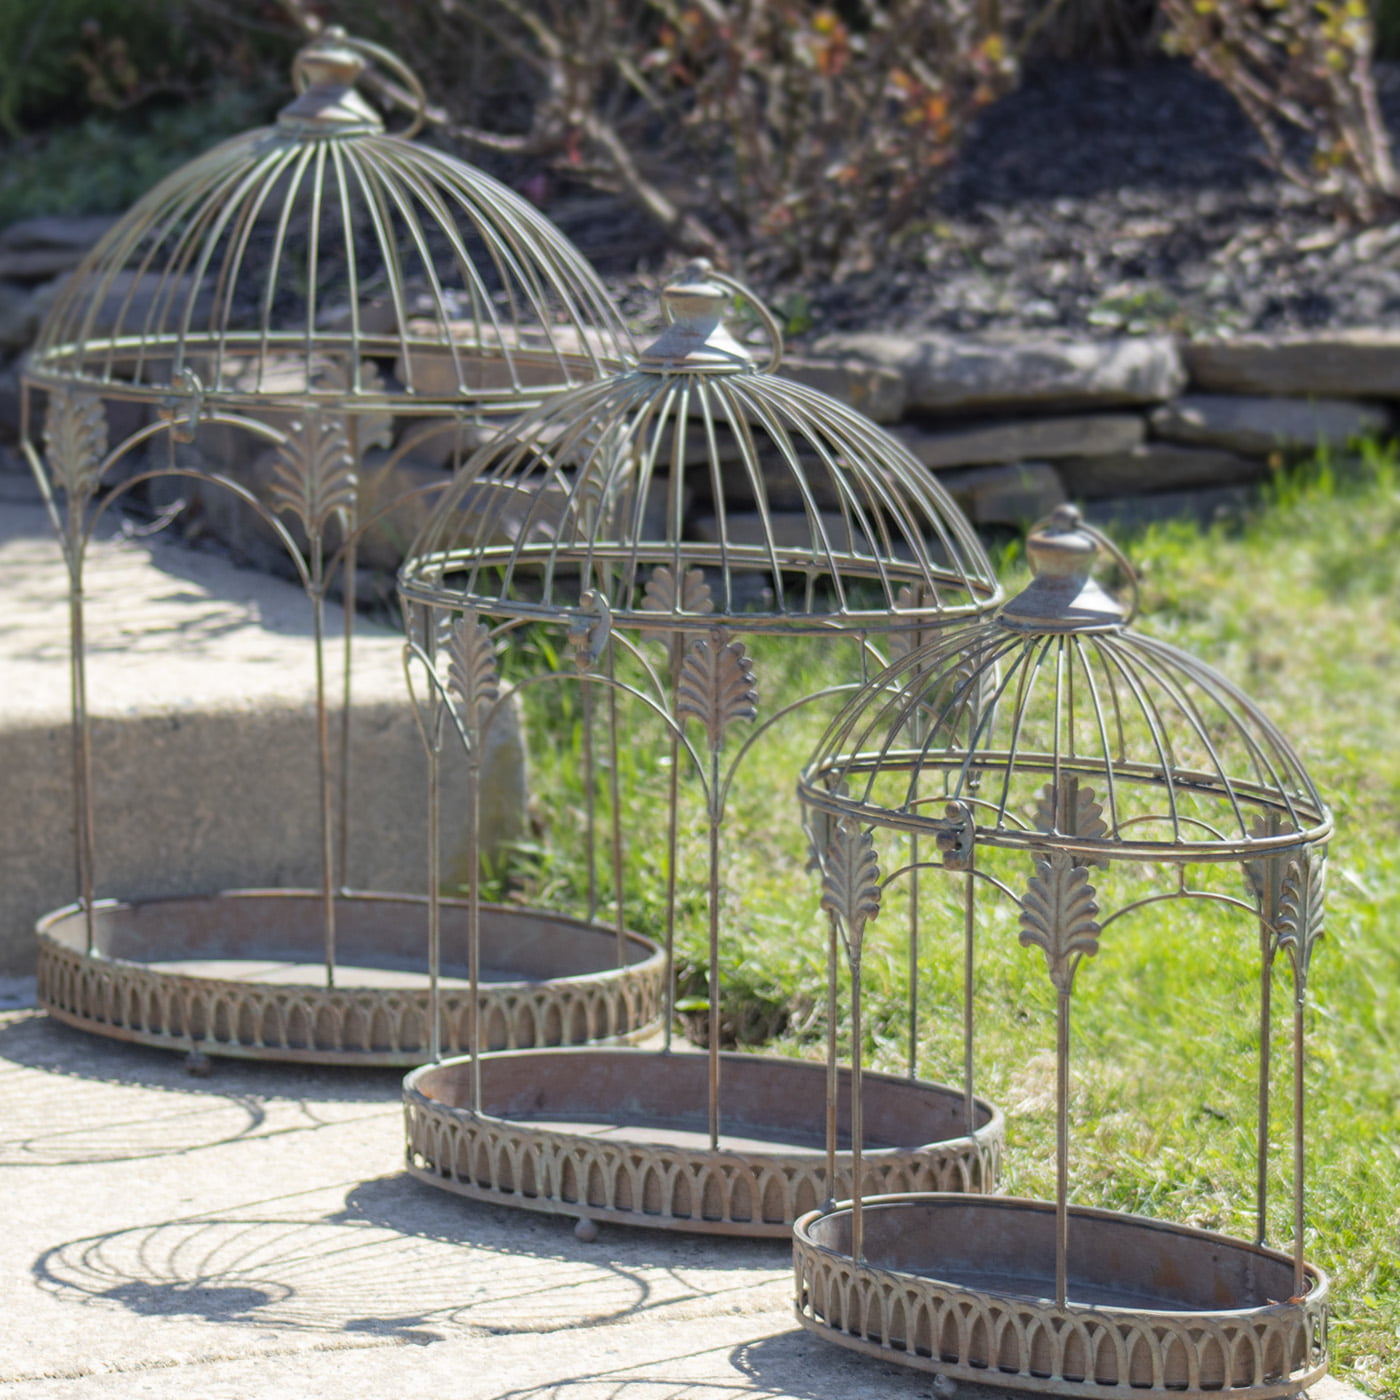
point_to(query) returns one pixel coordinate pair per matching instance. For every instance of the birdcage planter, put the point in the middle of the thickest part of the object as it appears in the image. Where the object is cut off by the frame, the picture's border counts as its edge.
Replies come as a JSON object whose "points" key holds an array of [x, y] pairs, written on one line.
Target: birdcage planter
{"points": [[656, 562], [312, 324], [1035, 755]]}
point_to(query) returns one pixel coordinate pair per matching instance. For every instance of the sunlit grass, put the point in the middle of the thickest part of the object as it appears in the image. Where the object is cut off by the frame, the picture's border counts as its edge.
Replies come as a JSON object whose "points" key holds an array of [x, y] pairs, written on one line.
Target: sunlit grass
{"points": [[1299, 606]]}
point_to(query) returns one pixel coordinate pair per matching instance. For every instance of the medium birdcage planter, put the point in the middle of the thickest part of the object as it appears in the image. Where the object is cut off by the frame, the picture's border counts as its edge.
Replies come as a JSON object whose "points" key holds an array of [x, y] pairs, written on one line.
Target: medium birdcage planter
{"points": [[1034, 755], [683, 518], [315, 322]]}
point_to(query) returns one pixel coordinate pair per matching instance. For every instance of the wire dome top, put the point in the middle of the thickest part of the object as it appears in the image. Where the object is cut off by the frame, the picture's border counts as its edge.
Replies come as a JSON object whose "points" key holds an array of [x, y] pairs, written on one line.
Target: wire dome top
{"points": [[696, 490], [322, 259], [1054, 725]]}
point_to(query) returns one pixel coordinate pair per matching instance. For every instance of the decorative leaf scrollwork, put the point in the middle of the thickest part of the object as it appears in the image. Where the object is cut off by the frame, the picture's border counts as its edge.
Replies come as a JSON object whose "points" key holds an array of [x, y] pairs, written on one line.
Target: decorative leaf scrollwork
{"points": [[716, 685], [1301, 912], [589, 634], [1080, 814], [1057, 916], [661, 594], [75, 439], [851, 883], [314, 475], [956, 844], [1263, 876], [473, 677]]}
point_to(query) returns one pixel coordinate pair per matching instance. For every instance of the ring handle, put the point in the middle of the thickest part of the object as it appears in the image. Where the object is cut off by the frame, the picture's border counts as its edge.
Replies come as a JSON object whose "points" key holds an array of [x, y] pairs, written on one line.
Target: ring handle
{"points": [[410, 95], [1123, 562], [770, 322]]}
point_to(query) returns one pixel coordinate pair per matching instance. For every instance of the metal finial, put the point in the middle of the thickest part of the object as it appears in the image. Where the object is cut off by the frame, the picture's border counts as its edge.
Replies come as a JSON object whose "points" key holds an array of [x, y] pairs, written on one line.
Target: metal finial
{"points": [[1062, 597], [695, 337], [324, 74]]}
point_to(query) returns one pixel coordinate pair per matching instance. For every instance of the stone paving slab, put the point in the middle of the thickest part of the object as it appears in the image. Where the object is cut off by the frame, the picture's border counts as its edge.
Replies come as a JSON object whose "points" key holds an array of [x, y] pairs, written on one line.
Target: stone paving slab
{"points": [[251, 1236]]}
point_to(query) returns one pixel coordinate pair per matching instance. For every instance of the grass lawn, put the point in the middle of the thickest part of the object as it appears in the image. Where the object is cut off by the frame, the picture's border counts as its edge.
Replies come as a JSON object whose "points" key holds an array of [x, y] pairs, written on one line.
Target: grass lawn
{"points": [[1300, 606]]}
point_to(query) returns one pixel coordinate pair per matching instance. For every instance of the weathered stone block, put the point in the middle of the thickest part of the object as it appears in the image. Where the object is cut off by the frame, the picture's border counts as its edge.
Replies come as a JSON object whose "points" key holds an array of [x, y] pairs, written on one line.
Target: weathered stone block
{"points": [[1023, 439], [946, 373], [1156, 466], [1016, 495], [1259, 426], [1342, 363], [874, 390]]}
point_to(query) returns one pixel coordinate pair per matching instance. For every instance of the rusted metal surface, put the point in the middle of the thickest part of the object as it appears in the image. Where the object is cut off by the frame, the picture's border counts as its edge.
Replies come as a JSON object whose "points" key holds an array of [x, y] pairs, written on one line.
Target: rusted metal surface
{"points": [[237, 974], [623, 1136], [308, 305], [1028, 755], [960, 1286]]}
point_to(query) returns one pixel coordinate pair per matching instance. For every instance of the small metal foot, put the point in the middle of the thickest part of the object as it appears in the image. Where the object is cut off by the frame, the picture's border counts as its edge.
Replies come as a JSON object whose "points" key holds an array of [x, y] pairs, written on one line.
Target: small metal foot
{"points": [[586, 1230], [198, 1064]]}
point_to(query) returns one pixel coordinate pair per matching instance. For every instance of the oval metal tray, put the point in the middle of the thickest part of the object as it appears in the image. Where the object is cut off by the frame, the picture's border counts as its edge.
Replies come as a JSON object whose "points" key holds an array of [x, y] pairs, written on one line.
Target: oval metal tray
{"points": [[964, 1287], [242, 973], [622, 1135]]}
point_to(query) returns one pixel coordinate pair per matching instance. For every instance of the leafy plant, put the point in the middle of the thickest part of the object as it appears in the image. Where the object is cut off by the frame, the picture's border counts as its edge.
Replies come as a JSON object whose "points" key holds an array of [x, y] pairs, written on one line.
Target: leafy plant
{"points": [[796, 136], [1302, 72]]}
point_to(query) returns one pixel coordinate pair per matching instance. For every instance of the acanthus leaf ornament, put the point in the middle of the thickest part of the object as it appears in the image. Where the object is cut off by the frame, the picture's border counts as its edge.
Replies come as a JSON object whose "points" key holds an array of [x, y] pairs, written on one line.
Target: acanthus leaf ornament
{"points": [[716, 685], [851, 883], [1264, 874], [473, 676], [75, 440], [1057, 916], [661, 594], [1301, 909], [1084, 817], [314, 474]]}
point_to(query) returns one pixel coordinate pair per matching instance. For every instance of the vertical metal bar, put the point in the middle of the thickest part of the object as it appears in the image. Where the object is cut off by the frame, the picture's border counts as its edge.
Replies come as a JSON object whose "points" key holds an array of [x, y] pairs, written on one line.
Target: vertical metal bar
{"points": [[349, 593], [713, 806], [914, 957], [473, 906], [590, 802], [85, 824], [1062, 1150], [615, 800], [1298, 1155], [1266, 975], [323, 749], [857, 1120], [672, 847], [969, 949], [435, 895], [833, 1078]]}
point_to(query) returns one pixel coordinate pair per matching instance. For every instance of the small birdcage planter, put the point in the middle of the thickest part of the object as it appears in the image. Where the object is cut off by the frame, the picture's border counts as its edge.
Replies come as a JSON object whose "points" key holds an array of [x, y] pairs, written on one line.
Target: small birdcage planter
{"points": [[1055, 737], [688, 521], [314, 323]]}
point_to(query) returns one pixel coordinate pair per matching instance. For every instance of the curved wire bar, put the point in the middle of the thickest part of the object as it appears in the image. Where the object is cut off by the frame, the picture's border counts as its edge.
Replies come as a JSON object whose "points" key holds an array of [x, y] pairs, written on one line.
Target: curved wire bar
{"points": [[590, 462], [187, 279]]}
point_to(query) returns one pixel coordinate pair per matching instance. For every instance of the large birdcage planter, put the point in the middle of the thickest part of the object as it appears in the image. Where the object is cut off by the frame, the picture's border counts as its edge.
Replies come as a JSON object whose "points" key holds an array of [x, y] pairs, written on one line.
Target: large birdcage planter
{"points": [[313, 324], [1041, 757], [663, 541]]}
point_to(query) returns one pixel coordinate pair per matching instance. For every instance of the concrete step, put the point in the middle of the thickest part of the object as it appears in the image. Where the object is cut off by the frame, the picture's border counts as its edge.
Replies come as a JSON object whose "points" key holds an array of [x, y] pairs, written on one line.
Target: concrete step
{"points": [[201, 685]]}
